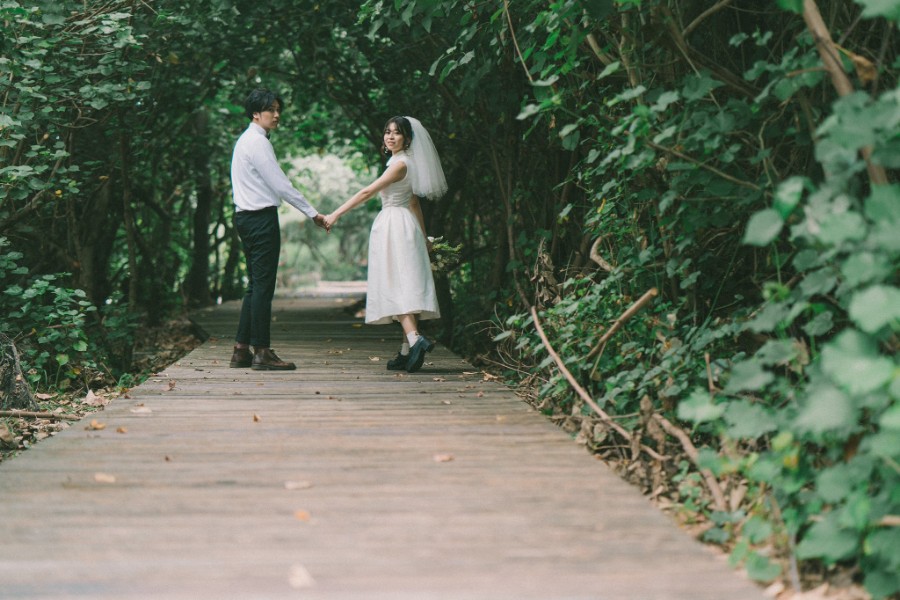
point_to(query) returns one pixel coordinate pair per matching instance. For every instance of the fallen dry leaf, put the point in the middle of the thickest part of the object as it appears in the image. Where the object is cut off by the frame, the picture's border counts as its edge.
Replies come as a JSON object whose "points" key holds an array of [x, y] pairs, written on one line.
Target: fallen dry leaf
{"points": [[442, 457], [300, 578], [479, 395], [122, 430], [375, 358], [256, 418], [92, 399], [302, 515], [297, 485], [104, 478], [142, 410], [6, 435], [438, 379], [42, 396], [96, 425]]}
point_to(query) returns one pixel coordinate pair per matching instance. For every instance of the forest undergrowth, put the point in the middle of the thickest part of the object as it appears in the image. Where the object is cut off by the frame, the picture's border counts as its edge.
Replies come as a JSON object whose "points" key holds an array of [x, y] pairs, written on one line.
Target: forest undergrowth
{"points": [[155, 349]]}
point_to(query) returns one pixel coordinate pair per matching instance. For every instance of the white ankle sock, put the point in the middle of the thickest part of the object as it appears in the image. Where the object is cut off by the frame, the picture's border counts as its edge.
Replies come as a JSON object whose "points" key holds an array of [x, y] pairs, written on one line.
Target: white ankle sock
{"points": [[412, 337], [404, 349]]}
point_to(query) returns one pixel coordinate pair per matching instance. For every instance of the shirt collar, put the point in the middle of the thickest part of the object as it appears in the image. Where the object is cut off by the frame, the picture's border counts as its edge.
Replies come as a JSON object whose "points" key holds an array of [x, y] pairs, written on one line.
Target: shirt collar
{"points": [[258, 128]]}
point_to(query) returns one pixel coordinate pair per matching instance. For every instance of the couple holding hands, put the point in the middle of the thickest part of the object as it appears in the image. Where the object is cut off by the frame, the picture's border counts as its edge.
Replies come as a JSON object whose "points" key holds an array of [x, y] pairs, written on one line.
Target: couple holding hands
{"points": [[400, 283]]}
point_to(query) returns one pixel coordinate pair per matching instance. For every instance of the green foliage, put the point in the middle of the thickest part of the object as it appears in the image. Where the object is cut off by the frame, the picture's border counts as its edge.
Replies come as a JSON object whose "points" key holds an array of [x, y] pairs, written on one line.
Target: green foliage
{"points": [[47, 322], [747, 204]]}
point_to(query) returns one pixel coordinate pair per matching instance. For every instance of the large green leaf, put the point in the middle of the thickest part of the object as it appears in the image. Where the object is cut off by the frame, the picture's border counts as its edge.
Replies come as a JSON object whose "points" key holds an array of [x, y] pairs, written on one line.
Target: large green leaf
{"points": [[875, 308], [825, 408], [828, 541], [699, 408], [763, 227], [747, 420], [852, 360], [748, 376], [888, 9]]}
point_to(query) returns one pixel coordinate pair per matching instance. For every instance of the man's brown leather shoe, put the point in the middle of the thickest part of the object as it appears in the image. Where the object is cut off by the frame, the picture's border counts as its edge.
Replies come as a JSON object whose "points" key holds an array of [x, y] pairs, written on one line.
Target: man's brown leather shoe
{"points": [[241, 359], [265, 359]]}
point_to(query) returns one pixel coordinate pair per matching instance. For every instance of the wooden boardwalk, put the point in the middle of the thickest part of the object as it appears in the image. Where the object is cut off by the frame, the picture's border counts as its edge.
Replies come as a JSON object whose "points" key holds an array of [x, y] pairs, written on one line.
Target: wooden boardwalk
{"points": [[340, 480]]}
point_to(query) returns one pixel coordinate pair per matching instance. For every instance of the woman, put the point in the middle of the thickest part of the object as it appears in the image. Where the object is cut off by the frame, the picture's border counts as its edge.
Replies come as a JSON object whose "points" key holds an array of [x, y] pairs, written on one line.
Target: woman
{"points": [[400, 286]]}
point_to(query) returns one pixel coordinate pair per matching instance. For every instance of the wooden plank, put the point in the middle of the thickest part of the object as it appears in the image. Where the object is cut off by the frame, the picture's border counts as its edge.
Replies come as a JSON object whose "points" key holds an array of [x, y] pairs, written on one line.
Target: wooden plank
{"points": [[350, 482]]}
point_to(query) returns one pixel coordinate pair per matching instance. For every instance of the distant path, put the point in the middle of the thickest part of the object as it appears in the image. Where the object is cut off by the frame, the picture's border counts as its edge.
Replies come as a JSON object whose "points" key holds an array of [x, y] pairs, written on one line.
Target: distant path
{"points": [[340, 480]]}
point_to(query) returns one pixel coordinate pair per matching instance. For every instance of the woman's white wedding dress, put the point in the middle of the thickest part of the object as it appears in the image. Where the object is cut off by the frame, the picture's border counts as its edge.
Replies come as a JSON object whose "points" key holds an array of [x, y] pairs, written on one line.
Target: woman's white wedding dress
{"points": [[400, 279]]}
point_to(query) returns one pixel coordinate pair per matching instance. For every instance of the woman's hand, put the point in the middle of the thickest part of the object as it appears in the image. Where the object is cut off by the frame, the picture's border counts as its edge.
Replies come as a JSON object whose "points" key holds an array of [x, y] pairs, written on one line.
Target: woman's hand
{"points": [[319, 220], [330, 220]]}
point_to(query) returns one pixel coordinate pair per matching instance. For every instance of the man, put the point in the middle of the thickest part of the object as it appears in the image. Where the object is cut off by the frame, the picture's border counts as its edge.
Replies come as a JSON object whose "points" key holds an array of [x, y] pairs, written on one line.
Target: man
{"points": [[259, 185]]}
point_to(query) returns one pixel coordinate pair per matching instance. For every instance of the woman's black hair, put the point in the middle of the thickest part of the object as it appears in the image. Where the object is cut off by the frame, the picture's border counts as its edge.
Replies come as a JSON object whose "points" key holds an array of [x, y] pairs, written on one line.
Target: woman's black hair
{"points": [[260, 100]]}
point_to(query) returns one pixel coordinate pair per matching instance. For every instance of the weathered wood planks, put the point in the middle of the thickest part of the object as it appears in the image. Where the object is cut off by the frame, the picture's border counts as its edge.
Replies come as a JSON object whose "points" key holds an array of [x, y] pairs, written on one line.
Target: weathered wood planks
{"points": [[338, 480]]}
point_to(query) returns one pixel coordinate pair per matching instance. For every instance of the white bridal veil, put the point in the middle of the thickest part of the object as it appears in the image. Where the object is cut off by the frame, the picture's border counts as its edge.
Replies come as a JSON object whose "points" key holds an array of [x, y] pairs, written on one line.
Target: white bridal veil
{"points": [[428, 179]]}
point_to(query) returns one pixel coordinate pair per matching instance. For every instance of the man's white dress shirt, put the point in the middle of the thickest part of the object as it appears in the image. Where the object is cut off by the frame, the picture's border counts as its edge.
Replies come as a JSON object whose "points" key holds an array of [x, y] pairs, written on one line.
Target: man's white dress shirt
{"points": [[256, 179]]}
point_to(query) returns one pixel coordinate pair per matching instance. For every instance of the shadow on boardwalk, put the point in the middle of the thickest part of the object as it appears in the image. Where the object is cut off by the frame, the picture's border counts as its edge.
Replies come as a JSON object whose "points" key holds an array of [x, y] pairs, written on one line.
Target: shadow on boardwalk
{"points": [[338, 480]]}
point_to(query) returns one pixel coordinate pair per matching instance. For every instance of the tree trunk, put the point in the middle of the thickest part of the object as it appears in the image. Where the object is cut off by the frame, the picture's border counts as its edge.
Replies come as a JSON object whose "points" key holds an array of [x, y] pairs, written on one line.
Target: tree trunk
{"points": [[197, 284]]}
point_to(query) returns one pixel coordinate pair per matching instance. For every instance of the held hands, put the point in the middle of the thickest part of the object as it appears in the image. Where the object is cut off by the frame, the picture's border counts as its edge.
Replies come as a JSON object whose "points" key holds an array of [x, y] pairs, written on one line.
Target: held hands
{"points": [[329, 221], [321, 221]]}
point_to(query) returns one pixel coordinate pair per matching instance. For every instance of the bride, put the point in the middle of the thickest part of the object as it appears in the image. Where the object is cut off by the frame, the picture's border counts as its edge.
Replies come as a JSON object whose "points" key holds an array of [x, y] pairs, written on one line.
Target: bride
{"points": [[400, 284]]}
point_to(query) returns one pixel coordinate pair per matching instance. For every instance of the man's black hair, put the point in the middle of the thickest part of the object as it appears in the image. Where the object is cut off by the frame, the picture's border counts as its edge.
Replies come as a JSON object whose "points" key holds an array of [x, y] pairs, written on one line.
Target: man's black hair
{"points": [[260, 100]]}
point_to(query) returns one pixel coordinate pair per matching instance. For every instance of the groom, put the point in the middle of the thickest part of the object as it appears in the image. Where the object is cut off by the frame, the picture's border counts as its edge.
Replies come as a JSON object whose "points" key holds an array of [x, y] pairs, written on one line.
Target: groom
{"points": [[259, 185]]}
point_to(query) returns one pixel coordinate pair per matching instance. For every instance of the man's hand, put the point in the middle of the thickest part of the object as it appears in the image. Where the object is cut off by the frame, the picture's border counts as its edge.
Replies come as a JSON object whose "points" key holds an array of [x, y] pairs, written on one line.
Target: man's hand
{"points": [[320, 221]]}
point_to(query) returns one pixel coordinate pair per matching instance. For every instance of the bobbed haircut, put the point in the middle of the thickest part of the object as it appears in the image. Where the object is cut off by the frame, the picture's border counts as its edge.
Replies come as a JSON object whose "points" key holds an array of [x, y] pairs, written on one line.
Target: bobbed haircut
{"points": [[260, 100], [403, 125]]}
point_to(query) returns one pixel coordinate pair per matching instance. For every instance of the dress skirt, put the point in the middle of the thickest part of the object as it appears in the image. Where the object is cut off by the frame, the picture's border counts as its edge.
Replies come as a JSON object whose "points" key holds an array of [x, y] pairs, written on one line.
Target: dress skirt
{"points": [[400, 279]]}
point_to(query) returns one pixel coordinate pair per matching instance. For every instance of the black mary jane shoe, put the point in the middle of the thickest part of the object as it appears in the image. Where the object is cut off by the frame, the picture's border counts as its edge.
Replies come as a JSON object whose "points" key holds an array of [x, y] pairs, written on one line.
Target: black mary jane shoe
{"points": [[417, 354]]}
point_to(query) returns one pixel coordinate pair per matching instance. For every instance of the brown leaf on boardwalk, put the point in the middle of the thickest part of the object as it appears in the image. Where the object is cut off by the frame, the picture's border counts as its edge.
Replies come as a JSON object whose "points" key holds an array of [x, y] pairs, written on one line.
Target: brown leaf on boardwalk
{"points": [[375, 358], [122, 430], [442, 457], [438, 379], [96, 425], [479, 395], [300, 578], [170, 385], [302, 515], [256, 418], [489, 377], [104, 478], [297, 485], [142, 410]]}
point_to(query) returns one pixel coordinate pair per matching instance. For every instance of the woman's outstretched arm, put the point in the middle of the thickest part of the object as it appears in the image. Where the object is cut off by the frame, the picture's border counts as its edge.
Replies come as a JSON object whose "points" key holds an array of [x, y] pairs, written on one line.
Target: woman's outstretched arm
{"points": [[394, 173]]}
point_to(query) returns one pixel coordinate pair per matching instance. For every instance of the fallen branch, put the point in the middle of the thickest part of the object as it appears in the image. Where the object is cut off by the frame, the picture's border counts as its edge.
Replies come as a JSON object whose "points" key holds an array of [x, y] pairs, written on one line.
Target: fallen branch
{"points": [[830, 58], [604, 417], [711, 482], [704, 15], [632, 310], [703, 165], [597, 258], [37, 415]]}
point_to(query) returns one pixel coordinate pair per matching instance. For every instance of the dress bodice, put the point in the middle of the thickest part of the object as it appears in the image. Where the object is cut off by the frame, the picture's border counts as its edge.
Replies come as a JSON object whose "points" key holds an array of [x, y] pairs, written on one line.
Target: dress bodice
{"points": [[399, 192]]}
